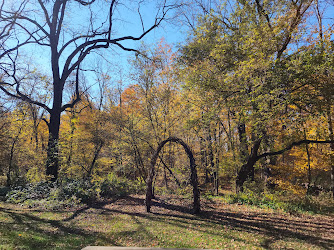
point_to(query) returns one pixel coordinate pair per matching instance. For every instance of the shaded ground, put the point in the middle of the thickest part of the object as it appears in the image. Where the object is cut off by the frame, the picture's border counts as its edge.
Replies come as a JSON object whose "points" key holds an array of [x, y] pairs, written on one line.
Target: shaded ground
{"points": [[124, 222]]}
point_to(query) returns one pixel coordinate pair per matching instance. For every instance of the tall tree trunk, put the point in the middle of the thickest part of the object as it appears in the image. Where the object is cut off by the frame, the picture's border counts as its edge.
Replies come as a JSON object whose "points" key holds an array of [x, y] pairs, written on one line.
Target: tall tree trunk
{"points": [[243, 142], [52, 161], [10, 165], [210, 155], [247, 170], [331, 137], [11, 158], [309, 176], [217, 151], [97, 151]]}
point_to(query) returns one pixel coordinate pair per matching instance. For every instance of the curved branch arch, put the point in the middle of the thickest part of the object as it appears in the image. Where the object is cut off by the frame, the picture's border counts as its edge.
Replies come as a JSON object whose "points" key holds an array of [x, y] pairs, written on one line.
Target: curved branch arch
{"points": [[193, 175]]}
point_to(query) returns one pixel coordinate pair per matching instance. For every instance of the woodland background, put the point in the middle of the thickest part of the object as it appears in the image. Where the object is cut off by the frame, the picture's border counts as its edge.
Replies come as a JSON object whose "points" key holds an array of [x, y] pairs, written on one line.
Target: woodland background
{"points": [[250, 90]]}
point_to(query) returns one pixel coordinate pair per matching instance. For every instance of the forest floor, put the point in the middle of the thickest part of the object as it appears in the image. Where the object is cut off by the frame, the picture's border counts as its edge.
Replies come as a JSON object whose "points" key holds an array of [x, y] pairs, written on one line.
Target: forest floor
{"points": [[124, 222]]}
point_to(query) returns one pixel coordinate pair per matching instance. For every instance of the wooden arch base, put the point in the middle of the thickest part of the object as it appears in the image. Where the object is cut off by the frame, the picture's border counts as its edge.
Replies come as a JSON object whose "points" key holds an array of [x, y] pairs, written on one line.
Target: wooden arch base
{"points": [[193, 174]]}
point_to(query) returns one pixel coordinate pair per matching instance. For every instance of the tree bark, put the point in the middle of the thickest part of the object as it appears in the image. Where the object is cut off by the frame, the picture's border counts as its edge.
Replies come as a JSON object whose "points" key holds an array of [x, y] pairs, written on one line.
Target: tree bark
{"points": [[52, 161], [331, 137], [96, 155], [247, 170], [243, 142]]}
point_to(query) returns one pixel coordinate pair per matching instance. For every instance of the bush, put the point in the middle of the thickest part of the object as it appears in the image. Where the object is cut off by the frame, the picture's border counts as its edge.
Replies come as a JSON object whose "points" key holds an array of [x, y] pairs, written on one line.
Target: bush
{"points": [[82, 190], [284, 200], [36, 191], [114, 186], [71, 192]]}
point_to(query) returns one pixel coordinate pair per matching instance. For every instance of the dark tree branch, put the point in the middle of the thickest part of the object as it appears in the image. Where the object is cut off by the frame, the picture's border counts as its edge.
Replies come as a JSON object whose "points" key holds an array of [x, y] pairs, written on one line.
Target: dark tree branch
{"points": [[170, 171], [262, 12], [85, 3], [110, 18], [46, 121], [31, 35], [46, 15], [40, 27], [6, 29], [94, 34], [294, 24], [22, 97], [141, 18], [294, 144], [77, 94], [16, 47], [96, 44], [61, 19]]}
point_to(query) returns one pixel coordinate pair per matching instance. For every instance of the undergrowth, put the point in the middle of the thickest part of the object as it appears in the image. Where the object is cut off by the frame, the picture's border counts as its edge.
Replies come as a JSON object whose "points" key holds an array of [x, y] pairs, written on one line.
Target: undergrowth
{"points": [[284, 200], [72, 192]]}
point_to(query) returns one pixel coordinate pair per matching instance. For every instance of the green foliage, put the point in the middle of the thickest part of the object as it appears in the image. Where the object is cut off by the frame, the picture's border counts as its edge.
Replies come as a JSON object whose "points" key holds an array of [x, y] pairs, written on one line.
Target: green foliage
{"points": [[82, 190], [72, 192], [113, 186], [20, 194], [284, 200]]}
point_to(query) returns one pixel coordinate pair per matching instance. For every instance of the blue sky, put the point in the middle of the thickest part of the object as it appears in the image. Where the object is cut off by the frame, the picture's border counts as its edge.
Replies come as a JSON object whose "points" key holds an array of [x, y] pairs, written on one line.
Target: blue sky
{"points": [[127, 22]]}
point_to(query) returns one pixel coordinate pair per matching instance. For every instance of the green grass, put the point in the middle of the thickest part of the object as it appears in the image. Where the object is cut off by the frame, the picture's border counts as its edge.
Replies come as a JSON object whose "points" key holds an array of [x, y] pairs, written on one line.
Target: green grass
{"points": [[323, 204], [129, 225]]}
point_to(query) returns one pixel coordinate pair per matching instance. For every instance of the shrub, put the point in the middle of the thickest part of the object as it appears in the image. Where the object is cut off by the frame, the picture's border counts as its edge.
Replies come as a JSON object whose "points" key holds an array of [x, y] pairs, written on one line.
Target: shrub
{"points": [[83, 190], [71, 192], [113, 186], [284, 200], [36, 191]]}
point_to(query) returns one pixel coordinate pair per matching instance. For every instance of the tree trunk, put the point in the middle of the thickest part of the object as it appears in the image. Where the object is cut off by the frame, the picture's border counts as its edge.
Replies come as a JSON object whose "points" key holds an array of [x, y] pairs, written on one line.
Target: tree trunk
{"points": [[331, 137], [11, 158], [52, 161], [211, 156], [247, 170], [243, 142], [96, 155]]}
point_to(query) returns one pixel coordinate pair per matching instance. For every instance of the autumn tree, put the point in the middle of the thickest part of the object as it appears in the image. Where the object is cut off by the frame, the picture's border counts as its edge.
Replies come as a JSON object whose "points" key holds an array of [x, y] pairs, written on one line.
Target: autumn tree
{"points": [[65, 33], [149, 111], [238, 53]]}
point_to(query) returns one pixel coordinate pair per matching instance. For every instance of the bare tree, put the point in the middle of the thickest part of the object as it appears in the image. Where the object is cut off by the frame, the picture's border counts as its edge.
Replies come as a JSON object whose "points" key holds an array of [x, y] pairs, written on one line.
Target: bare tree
{"points": [[67, 31]]}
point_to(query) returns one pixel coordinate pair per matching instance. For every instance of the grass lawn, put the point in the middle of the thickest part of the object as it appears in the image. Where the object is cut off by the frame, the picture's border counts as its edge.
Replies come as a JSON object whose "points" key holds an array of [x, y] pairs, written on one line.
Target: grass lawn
{"points": [[124, 222]]}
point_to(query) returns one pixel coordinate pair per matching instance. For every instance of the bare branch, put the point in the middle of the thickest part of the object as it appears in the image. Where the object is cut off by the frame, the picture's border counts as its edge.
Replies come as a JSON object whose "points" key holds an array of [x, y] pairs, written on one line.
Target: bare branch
{"points": [[85, 3], [110, 18], [46, 15], [262, 12], [61, 19], [22, 97], [35, 23], [94, 34], [77, 94], [294, 24], [46, 121], [294, 144]]}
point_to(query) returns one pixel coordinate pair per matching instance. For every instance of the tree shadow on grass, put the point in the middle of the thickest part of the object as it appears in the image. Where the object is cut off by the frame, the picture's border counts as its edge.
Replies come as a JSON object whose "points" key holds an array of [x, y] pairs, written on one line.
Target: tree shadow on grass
{"points": [[51, 233], [33, 232], [274, 227]]}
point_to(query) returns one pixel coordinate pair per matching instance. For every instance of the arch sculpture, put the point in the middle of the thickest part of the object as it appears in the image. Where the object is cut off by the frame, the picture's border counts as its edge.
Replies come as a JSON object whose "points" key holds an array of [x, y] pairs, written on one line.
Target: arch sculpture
{"points": [[193, 175]]}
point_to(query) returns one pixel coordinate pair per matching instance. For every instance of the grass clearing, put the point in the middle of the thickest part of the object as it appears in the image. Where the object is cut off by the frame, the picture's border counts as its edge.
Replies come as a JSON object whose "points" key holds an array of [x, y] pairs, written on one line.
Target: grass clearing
{"points": [[124, 222]]}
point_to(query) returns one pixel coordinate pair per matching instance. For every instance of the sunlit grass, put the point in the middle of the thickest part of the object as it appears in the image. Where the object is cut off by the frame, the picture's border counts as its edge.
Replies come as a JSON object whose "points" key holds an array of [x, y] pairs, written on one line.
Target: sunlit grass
{"points": [[37, 229]]}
